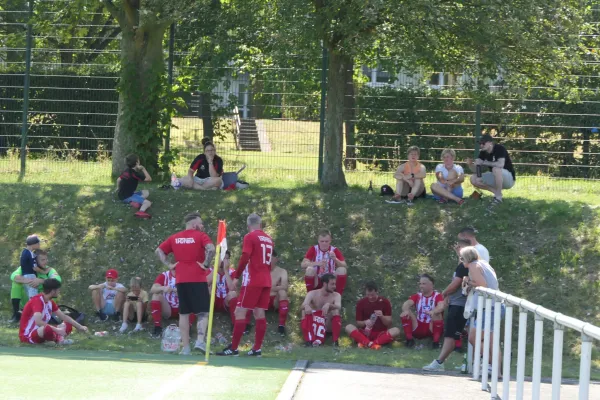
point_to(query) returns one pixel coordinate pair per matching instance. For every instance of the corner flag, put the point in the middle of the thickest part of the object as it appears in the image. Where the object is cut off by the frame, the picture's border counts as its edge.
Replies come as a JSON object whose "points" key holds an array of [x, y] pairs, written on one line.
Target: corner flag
{"points": [[222, 238]]}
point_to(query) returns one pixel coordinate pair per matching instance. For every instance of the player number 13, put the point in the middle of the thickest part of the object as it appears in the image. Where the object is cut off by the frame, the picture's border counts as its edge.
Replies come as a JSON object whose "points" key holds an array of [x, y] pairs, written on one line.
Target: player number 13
{"points": [[267, 253]]}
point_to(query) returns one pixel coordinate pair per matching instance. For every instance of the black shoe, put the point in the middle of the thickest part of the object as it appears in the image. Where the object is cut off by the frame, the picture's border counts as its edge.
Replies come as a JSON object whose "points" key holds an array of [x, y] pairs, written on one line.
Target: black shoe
{"points": [[336, 344], [15, 318], [228, 352], [157, 332], [247, 329], [117, 316], [308, 344], [435, 345], [103, 317], [281, 330], [410, 343], [255, 353]]}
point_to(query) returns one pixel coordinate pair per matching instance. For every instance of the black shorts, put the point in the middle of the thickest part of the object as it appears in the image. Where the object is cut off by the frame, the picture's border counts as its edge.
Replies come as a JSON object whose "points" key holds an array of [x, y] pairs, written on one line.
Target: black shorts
{"points": [[193, 297], [455, 322]]}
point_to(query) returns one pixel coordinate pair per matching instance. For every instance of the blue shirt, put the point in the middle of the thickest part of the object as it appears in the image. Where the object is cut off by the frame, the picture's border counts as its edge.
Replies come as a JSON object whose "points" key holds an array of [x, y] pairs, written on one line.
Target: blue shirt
{"points": [[27, 262]]}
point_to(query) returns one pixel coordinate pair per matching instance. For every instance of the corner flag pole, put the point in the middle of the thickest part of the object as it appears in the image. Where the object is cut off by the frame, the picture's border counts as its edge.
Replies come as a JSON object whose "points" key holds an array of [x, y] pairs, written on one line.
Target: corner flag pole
{"points": [[221, 242]]}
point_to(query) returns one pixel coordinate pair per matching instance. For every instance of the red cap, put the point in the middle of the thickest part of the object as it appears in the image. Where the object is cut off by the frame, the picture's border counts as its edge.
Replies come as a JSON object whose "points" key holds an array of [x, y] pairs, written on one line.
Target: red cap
{"points": [[112, 273]]}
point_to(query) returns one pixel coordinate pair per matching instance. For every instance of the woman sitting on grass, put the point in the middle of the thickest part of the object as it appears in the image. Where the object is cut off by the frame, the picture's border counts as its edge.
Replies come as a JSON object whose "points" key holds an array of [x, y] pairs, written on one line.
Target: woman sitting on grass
{"points": [[450, 177], [208, 168]]}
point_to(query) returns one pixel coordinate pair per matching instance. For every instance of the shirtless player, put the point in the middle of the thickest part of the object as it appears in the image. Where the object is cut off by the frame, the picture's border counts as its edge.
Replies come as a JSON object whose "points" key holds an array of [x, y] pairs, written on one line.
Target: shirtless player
{"points": [[279, 297], [321, 313]]}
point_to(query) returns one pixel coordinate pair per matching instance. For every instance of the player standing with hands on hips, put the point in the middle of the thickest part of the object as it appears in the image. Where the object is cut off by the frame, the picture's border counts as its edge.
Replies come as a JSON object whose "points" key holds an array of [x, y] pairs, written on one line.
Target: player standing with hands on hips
{"points": [[257, 253]]}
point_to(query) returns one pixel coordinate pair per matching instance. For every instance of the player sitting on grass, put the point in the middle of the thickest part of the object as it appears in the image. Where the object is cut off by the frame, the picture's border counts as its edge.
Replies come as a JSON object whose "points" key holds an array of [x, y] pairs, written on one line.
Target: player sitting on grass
{"points": [[108, 297], [321, 313], [18, 295], [127, 186], [279, 297], [323, 259], [226, 296], [39, 309], [373, 320], [429, 318], [135, 306]]}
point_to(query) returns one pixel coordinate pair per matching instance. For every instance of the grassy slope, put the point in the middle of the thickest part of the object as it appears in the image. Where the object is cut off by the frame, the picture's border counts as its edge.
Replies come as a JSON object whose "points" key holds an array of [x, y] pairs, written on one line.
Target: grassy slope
{"points": [[544, 248]]}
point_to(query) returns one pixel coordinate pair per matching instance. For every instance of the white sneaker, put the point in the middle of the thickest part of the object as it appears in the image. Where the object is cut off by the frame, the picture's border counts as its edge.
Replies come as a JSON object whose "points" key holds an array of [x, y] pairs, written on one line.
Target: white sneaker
{"points": [[66, 342], [123, 327], [201, 346], [138, 328], [185, 352], [434, 366]]}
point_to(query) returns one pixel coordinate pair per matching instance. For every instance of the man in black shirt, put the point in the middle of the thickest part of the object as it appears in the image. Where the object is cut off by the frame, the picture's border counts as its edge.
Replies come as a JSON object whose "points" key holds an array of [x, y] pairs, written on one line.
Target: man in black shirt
{"points": [[501, 173], [208, 168]]}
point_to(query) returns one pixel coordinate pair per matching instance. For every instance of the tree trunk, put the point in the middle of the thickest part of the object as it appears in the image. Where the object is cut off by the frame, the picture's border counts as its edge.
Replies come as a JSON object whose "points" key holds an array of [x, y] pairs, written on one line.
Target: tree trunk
{"points": [[333, 171], [205, 111], [138, 128], [350, 117]]}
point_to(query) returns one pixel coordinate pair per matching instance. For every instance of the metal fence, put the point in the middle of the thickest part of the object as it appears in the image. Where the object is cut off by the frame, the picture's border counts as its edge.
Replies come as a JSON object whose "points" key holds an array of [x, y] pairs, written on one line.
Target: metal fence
{"points": [[58, 113]]}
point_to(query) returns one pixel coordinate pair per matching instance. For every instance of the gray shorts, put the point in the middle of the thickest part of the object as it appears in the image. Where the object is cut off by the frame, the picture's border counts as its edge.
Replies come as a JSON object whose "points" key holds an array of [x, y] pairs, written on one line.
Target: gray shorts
{"points": [[200, 181], [507, 179]]}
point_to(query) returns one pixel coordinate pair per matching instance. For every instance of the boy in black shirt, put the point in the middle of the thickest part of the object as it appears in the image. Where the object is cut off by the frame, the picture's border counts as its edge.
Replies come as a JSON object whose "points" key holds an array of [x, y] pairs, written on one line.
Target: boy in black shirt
{"points": [[501, 173], [128, 182]]}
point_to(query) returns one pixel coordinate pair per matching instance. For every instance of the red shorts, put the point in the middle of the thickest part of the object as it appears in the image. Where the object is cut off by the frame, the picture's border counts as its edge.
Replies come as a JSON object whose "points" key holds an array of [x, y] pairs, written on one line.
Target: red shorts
{"points": [[423, 330], [221, 305], [373, 335], [271, 303], [252, 297], [33, 338]]}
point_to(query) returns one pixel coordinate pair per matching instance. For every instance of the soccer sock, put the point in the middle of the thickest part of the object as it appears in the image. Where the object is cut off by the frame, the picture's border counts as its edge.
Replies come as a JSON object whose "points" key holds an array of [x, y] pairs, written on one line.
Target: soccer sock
{"points": [[68, 328], [340, 283], [192, 319], [259, 335], [359, 337], [336, 327], [458, 343], [238, 331], [438, 330], [232, 307], [384, 338], [283, 311], [15, 305], [156, 312], [309, 281], [248, 316], [305, 325], [407, 326], [49, 334]]}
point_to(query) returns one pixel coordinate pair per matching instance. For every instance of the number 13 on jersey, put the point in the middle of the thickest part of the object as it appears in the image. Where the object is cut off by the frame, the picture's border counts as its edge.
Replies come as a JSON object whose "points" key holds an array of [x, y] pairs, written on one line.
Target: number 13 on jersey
{"points": [[267, 251]]}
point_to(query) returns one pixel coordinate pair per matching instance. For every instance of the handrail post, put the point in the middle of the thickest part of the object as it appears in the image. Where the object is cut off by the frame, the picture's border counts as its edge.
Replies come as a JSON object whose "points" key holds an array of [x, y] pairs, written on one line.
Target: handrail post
{"points": [[478, 328], [521, 352], [486, 343], [538, 335], [507, 352], [559, 332], [470, 349], [584, 367], [496, 348]]}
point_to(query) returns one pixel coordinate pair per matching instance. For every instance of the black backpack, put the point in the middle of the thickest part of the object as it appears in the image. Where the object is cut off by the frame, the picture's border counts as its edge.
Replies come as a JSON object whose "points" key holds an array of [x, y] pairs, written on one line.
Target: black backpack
{"points": [[386, 190], [79, 317]]}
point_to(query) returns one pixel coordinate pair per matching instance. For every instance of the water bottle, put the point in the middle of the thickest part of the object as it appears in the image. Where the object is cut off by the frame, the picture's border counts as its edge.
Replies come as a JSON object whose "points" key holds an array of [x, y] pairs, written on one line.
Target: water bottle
{"points": [[370, 189], [171, 339], [175, 182], [478, 170], [221, 339], [368, 329], [464, 368], [101, 333]]}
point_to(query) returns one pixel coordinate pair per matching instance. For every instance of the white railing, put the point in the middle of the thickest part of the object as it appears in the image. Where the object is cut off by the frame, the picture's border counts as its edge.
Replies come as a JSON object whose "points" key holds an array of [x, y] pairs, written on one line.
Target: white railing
{"points": [[560, 321], [237, 126]]}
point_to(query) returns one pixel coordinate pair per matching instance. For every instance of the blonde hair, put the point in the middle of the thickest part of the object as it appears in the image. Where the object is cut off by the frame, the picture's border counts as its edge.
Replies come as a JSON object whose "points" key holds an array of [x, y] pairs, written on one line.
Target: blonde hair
{"points": [[414, 148], [449, 151], [136, 282], [469, 254]]}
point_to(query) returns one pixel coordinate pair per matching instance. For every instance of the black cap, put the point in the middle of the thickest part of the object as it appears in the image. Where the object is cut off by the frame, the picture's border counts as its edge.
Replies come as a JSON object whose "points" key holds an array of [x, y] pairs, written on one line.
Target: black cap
{"points": [[485, 138], [32, 239]]}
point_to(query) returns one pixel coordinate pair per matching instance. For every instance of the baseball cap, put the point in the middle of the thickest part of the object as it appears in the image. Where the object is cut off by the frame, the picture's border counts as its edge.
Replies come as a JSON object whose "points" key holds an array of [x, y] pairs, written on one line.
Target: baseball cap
{"points": [[485, 138], [112, 273], [32, 239]]}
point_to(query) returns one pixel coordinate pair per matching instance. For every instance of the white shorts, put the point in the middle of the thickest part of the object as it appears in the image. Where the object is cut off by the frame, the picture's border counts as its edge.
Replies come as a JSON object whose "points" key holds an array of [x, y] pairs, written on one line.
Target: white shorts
{"points": [[507, 179]]}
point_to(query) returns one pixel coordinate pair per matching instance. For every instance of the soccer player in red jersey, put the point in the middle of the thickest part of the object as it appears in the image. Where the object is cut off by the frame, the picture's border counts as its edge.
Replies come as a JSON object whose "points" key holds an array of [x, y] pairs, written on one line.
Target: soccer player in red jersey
{"points": [[326, 303], [429, 318], [322, 259], [226, 296], [373, 320], [257, 253], [193, 251], [39, 309]]}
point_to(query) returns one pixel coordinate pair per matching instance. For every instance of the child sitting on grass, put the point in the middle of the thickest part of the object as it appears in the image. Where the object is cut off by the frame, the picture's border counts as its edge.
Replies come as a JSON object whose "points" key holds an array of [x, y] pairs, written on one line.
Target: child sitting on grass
{"points": [[135, 306], [127, 186]]}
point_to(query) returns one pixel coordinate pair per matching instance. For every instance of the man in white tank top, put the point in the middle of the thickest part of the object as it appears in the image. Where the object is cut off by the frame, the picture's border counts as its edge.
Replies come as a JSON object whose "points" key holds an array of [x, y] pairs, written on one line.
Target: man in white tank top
{"points": [[469, 235]]}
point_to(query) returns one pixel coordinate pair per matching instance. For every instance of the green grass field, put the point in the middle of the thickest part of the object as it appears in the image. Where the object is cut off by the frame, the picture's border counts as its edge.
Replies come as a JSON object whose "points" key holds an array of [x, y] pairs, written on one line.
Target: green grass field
{"points": [[36, 373]]}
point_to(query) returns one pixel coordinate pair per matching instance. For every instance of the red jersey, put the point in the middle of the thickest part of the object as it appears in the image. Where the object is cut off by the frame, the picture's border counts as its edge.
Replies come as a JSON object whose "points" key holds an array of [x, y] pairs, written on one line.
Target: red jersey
{"points": [[365, 308], [423, 304], [189, 249], [315, 254], [317, 330], [168, 279], [34, 305], [257, 251]]}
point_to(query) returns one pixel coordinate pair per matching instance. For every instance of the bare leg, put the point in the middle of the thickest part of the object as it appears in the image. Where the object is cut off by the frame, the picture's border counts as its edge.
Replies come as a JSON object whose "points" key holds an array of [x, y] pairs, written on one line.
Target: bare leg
{"points": [[184, 328], [201, 327], [210, 184], [145, 205], [97, 299], [478, 183], [441, 191], [498, 180], [119, 301]]}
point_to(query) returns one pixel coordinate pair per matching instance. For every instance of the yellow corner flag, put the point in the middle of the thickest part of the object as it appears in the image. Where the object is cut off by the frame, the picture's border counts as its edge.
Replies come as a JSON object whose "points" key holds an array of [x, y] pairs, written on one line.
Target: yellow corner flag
{"points": [[221, 249]]}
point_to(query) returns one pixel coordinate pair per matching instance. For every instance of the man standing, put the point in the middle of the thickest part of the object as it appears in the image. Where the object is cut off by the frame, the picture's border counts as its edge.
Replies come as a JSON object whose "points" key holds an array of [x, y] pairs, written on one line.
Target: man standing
{"points": [[321, 313], [373, 320], [34, 326], [193, 251], [323, 259], [257, 253], [501, 173], [455, 321], [468, 234]]}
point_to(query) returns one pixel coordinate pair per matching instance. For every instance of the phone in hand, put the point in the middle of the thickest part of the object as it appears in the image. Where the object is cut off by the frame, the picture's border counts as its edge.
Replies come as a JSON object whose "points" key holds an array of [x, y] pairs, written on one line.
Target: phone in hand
{"points": [[133, 298]]}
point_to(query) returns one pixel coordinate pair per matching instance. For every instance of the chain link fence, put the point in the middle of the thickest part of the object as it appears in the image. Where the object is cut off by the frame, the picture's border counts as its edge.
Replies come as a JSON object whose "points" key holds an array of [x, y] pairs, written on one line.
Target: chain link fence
{"points": [[270, 118]]}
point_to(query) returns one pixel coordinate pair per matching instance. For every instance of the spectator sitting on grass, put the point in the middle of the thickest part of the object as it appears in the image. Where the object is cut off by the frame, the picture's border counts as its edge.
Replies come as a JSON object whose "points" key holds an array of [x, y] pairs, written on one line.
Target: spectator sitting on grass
{"points": [[127, 186], [409, 177], [28, 265], [450, 177], [135, 306], [18, 295], [208, 167], [109, 296]]}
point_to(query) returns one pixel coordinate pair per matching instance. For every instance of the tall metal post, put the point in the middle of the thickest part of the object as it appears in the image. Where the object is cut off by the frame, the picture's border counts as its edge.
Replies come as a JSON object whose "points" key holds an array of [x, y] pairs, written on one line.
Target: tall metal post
{"points": [[322, 111], [477, 133], [24, 126], [170, 78]]}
